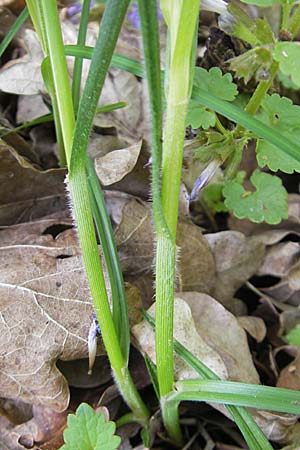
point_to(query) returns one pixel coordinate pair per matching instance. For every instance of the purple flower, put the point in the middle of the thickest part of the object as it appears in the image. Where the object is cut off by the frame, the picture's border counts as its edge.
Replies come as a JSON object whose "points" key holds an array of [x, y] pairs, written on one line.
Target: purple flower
{"points": [[134, 18]]}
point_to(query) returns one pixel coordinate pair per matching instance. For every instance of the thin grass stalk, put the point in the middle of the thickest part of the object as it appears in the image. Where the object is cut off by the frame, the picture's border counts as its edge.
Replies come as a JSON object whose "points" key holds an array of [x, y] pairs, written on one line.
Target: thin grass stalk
{"points": [[106, 236], [21, 19], [77, 71]]}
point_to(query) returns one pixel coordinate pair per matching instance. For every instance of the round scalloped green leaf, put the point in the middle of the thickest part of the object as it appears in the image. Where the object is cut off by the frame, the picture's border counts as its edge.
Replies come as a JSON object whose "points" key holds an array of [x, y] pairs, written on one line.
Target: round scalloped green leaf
{"points": [[88, 430], [288, 56], [268, 203], [281, 114], [216, 83], [268, 155], [199, 117]]}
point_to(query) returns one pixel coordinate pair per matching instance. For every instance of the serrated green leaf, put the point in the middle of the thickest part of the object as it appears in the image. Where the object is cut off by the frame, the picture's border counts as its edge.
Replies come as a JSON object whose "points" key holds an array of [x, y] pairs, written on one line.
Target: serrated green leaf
{"points": [[284, 116], [288, 56], [199, 116], [268, 203], [293, 337], [216, 83], [88, 430]]}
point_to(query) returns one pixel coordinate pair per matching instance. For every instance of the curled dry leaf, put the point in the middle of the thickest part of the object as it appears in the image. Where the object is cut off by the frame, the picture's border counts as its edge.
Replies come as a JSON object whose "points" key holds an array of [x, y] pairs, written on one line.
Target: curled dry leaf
{"points": [[237, 258], [115, 165], [46, 312], [45, 427], [198, 319], [290, 375], [27, 193], [254, 326], [121, 86], [23, 76]]}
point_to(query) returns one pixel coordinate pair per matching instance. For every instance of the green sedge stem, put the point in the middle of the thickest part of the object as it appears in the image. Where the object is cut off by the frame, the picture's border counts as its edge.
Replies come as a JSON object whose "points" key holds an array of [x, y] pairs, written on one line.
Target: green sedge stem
{"points": [[295, 22], [77, 71], [58, 64], [105, 233], [286, 11]]}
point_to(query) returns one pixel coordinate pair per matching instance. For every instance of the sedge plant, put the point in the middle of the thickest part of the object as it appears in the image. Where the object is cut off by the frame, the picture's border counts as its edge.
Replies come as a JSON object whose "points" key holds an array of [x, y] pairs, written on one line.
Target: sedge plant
{"points": [[73, 116]]}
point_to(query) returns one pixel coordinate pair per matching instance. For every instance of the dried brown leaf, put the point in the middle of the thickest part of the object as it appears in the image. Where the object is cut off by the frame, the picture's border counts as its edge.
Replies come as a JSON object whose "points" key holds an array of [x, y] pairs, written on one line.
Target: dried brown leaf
{"points": [[46, 312], [254, 326], [237, 258], [27, 193], [115, 165], [198, 324], [23, 75]]}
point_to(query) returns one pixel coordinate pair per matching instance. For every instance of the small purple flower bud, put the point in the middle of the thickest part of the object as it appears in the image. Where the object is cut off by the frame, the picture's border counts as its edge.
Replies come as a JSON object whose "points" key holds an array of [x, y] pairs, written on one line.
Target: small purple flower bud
{"points": [[74, 9]]}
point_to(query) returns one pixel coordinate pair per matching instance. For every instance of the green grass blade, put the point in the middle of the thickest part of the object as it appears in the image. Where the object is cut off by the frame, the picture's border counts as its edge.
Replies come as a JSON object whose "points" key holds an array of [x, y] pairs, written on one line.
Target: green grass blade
{"points": [[119, 61], [102, 54], [43, 119], [77, 71], [21, 19], [111, 107], [241, 394], [151, 367], [253, 435], [106, 236]]}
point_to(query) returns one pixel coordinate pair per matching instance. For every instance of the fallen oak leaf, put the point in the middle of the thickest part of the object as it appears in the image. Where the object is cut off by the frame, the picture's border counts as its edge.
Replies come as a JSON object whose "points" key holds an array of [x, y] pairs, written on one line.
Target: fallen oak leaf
{"points": [[45, 313]]}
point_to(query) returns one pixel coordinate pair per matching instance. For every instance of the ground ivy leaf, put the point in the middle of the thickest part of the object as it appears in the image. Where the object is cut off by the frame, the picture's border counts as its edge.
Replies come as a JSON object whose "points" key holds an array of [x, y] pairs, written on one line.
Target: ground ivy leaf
{"points": [[282, 114], [288, 55], [268, 155], [88, 430], [216, 83], [268, 203], [199, 116]]}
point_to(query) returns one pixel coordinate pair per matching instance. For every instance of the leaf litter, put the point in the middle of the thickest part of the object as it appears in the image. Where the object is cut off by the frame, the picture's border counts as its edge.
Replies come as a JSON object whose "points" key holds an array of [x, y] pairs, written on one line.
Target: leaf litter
{"points": [[41, 272]]}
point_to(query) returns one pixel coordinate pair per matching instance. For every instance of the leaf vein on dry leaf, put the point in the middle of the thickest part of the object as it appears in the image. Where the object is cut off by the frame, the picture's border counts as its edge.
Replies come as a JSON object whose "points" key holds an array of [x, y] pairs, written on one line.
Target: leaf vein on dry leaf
{"points": [[34, 294], [139, 224], [77, 269], [37, 247]]}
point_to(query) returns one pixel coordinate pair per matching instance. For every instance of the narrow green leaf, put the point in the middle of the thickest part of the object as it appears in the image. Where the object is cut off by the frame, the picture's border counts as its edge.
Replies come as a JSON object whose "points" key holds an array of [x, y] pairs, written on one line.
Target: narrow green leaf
{"points": [[13, 30], [106, 236], [234, 393], [76, 81]]}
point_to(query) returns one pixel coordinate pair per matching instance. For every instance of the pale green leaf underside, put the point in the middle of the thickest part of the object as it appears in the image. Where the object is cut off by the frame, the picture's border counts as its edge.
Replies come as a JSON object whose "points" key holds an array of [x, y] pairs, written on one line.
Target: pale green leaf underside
{"points": [[288, 55], [88, 430], [267, 203]]}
